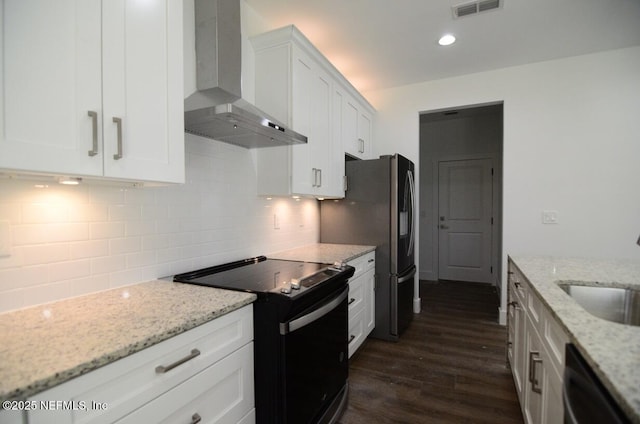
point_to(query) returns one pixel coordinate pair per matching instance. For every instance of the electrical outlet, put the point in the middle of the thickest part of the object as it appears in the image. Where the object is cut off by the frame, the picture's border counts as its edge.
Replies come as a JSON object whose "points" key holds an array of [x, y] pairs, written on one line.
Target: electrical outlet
{"points": [[549, 217], [5, 239]]}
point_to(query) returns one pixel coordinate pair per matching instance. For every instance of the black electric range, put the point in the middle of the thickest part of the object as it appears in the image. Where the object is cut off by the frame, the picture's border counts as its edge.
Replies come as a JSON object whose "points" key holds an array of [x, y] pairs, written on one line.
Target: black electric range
{"points": [[300, 334]]}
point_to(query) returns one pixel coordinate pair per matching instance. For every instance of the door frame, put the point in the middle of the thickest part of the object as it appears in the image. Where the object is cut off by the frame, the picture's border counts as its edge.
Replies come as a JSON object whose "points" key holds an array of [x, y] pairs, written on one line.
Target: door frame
{"points": [[495, 206]]}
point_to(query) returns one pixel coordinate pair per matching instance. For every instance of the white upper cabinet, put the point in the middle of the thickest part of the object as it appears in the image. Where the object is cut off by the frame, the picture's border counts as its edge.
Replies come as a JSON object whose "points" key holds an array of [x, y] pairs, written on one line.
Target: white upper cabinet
{"points": [[92, 88], [293, 86], [355, 126], [300, 87]]}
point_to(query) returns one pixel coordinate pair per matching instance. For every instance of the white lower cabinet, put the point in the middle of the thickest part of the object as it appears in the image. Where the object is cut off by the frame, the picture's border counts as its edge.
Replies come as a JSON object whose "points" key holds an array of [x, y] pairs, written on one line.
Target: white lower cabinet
{"points": [[361, 300], [535, 352], [12, 417], [205, 373], [223, 393]]}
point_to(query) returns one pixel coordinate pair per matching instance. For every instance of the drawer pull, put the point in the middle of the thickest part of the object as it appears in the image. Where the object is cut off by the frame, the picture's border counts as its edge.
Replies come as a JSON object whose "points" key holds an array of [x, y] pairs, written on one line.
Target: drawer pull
{"points": [[161, 369], [351, 339], [371, 260], [196, 418], [352, 300]]}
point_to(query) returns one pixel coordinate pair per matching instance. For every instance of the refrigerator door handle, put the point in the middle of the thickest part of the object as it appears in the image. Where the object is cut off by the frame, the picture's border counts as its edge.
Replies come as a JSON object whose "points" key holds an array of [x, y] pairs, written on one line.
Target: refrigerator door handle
{"points": [[412, 193]]}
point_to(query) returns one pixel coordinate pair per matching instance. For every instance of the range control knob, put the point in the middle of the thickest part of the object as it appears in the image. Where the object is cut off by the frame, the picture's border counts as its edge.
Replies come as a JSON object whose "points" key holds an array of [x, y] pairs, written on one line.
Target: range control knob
{"points": [[286, 289], [295, 284]]}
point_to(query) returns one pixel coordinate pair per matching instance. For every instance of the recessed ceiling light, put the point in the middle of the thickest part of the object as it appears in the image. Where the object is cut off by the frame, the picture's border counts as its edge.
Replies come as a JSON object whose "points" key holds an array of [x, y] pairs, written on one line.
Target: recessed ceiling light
{"points": [[447, 40]]}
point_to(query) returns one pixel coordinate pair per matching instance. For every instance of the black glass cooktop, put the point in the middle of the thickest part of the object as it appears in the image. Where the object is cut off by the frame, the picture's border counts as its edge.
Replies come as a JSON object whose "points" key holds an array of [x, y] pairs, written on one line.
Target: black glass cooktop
{"points": [[261, 275]]}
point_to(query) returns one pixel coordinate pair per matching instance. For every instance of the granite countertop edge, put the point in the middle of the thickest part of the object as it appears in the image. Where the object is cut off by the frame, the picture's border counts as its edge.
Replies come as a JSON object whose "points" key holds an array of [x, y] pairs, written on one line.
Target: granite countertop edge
{"points": [[611, 349], [324, 253], [180, 317]]}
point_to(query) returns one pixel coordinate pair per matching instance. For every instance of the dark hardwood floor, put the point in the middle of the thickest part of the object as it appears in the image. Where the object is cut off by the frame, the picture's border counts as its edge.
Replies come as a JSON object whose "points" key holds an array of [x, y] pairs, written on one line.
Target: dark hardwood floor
{"points": [[448, 367]]}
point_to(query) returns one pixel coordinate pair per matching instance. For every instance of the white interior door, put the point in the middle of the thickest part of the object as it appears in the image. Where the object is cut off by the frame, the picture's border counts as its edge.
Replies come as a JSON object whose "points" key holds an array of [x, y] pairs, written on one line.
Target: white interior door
{"points": [[465, 220]]}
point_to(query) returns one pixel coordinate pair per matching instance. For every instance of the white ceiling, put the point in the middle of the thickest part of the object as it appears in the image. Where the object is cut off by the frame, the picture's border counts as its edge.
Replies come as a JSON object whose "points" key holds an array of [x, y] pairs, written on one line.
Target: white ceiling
{"points": [[379, 44]]}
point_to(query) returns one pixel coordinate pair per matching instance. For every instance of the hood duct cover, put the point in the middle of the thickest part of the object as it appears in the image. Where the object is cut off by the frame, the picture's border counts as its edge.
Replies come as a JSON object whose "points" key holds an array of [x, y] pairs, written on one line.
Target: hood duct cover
{"points": [[217, 110]]}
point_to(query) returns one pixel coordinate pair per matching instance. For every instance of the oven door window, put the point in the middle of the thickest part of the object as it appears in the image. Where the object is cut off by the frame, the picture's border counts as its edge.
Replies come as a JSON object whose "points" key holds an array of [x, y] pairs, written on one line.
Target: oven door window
{"points": [[314, 359]]}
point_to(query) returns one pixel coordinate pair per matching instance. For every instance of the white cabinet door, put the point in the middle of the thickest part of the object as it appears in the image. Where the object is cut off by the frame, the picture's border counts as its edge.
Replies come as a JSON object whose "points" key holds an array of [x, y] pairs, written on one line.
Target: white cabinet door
{"points": [[51, 80], [70, 67], [364, 134], [535, 376], [356, 125], [142, 87]]}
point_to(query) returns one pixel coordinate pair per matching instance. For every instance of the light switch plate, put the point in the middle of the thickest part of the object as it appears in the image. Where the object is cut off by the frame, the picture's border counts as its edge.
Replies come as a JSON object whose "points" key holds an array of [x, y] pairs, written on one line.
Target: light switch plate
{"points": [[5, 239], [549, 217]]}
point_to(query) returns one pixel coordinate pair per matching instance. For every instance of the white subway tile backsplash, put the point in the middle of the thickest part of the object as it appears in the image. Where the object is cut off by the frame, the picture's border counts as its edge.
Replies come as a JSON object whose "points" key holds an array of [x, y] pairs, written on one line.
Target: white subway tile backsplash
{"points": [[49, 233], [107, 264], [21, 277], [68, 241], [106, 230], [141, 259], [45, 253], [36, 213], [92, 284], [89, 249], [68, 270], [125, 212], [119, 246]]}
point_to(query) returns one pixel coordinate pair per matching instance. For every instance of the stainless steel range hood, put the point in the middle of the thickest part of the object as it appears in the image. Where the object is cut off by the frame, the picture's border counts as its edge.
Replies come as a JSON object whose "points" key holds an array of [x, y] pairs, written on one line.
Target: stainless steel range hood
{"points": [[217, 110]]}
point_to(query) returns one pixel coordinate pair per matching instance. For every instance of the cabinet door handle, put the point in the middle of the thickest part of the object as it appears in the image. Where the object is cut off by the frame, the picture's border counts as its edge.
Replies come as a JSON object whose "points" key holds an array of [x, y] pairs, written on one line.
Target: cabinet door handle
{"points": [[161, 369], [514, 304], [118, 122], [314, 172], [533, 361], [535, 382], [320, 177], [353, 299], [360, 145], [351, 339], [94, 132], [196, 418]]}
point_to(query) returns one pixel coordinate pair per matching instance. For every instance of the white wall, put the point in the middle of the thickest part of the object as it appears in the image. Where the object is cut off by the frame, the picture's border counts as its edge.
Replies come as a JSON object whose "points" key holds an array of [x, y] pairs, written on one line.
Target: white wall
{"points": [[68, 241], [571, 144]]}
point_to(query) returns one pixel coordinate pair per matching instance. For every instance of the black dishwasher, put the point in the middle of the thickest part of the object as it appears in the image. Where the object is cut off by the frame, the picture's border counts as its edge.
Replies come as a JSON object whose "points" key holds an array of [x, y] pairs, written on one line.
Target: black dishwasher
{"points": [[585, 399]]}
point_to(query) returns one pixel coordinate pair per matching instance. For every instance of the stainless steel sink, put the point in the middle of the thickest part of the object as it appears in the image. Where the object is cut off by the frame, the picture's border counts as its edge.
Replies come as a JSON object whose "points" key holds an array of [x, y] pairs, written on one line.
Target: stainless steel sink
{"points": [[610, 303]]}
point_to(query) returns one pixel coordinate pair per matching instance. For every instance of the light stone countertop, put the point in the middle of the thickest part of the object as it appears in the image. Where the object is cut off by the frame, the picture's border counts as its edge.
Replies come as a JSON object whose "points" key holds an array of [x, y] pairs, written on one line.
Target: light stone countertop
{"points": [[324, 253], [46, 345], [612, 349]]}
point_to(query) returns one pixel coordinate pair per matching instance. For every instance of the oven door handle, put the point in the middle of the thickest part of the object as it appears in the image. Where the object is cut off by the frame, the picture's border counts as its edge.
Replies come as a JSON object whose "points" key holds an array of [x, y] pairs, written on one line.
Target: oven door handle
{"points": [[291, 326]]}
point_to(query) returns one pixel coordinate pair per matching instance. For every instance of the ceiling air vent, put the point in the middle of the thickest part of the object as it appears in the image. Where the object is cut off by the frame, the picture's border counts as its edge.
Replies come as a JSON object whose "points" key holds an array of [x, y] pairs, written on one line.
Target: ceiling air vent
{"points": [[475, 7]]}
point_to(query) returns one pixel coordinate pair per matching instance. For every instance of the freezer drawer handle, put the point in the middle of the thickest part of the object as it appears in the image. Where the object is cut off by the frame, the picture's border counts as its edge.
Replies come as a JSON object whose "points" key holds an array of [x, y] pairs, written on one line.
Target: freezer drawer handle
{"points": [[161, 369], [291, 326], [407, 277]]}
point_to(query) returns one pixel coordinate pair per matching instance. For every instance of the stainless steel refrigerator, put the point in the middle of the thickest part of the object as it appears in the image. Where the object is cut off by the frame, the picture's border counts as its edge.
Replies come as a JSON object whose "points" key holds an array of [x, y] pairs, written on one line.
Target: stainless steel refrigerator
{"points": [[379, 209]]}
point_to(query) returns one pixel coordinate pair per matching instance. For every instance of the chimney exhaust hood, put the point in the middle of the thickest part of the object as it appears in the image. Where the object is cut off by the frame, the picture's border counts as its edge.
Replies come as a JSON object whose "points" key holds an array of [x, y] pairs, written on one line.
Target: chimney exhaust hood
{"points": [[217, 110]]}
